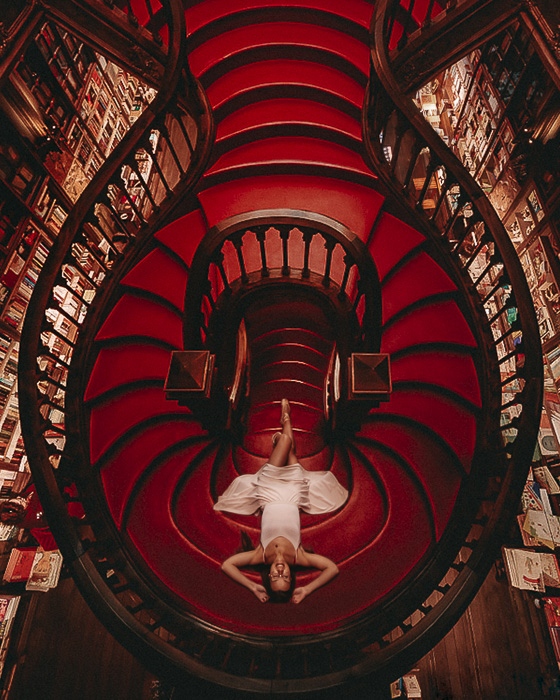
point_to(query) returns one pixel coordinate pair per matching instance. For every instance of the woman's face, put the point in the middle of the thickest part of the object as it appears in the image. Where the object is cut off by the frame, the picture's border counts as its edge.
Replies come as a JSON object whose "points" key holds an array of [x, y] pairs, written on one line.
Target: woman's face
{"points": [[280, 575]]}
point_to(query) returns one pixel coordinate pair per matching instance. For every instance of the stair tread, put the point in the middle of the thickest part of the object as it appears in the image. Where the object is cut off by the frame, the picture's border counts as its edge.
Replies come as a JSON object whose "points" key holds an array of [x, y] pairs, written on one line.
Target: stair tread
{"points": [[183, 235], [297, 35], [118, 366], [297, 149], [440, 322], [440, 415], [121, 473], [281, 73], [420, 278], [349, 203], [199, 16], [158, 274], [286, 111], [391, 241], [111, 420], [134, 316], [453, 371]]}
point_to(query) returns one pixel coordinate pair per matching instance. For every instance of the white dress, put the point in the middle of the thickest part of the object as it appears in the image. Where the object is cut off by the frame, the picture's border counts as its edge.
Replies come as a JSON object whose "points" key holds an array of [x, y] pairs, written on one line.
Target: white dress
{"points": [[312, 492]]}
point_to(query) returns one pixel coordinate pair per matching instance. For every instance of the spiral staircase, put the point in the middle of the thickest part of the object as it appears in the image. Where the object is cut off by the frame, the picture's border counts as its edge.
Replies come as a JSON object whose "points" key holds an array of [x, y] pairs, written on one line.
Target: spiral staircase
{"points": [[289, 222]]}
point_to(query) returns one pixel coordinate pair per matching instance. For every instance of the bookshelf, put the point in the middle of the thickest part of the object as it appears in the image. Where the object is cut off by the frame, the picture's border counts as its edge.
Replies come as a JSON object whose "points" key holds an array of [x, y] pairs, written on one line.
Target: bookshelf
{"points": [[487, 108], [65, 108]]}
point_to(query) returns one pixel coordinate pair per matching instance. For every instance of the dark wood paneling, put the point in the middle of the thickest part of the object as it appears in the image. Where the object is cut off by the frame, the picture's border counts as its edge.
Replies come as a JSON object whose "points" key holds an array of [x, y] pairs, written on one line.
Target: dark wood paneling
{"points": [[69, 654], [499, 649]]}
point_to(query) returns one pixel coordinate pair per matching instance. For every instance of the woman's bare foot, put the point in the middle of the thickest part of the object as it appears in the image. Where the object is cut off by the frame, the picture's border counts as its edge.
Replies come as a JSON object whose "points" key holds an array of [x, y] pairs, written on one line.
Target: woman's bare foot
{"points": [[275, 438], [285, 415]]}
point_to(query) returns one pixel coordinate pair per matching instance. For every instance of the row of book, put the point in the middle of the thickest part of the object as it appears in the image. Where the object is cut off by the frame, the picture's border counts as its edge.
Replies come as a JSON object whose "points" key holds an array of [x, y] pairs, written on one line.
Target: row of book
{"points": [[528, 568], [39, 569]]}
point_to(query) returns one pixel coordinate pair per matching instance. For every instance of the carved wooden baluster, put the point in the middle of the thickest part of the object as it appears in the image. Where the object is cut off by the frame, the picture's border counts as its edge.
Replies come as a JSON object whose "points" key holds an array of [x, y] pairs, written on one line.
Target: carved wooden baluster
{"points": [[462, 200], [415, 151], [330, 244], [400, 130], [164, 131], [307, 237], [348, 264], [409, 25], [443, 193], [178, 115], [133, 165], [429, 174], [284, 237], [218, 260], [428, 18], [260, 233], [360, 293], [237, 241], [161, 174]]}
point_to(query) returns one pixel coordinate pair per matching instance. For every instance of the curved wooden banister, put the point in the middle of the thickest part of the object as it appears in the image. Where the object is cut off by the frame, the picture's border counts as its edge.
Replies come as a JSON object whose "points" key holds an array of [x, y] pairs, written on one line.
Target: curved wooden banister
{"points": [[465, 225], [169, 637], [95, 239], [252, 230]]}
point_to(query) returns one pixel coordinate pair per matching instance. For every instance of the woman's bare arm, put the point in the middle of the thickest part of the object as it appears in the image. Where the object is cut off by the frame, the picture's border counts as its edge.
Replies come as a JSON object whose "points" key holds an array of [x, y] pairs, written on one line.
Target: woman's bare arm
{"points": [[327, 568], [231, 568]]}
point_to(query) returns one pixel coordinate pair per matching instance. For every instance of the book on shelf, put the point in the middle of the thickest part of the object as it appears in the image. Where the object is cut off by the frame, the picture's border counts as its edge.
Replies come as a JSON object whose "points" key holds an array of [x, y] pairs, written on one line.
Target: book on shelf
{"points": [[45, 571], [531, 496], [411, 686], [531, 571], [546, 480], [528, 540], [543, 527], [20, 564]]}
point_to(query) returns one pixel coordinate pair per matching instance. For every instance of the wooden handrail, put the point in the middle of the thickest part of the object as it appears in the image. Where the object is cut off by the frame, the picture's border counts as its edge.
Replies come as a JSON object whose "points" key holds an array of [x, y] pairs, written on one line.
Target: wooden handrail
{"points": [[482, 251], [254, 227], [122, 598]]}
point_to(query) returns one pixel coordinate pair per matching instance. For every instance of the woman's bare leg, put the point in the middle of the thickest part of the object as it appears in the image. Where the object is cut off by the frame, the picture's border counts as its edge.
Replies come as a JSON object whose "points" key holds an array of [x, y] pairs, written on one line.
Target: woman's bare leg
{"points": [[284, 452]]}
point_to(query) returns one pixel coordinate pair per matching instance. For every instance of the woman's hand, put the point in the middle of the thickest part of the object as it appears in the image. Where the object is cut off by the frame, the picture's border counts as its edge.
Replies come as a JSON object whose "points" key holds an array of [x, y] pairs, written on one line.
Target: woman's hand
{"points": [[260, 591], [299, 594]]}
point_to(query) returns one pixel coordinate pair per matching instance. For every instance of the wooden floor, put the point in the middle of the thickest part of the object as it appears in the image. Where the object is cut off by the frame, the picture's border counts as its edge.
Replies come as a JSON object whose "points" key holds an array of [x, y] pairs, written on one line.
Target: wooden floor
{"points": [[499, 649]]}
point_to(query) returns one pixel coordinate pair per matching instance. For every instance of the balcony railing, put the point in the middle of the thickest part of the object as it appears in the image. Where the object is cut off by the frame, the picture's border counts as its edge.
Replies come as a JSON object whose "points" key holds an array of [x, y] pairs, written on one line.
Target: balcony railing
{"points": [[419, 168]]}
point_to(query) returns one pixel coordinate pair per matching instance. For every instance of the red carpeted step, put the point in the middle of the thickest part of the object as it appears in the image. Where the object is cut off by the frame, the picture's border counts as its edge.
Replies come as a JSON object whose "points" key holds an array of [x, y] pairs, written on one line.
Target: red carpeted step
{"points": [[313, 152], [353, 205], [454, 371], [420, 278], [183, 235], [123, 471], [278, 312], [295, 390], [267, 418], [201, 14], [116, 367], [132, 410], [301, 336], [270, 35], [278, 74], [435, 467], [441, 322], [405, 538], [289, 351], [137, 317], [297, 371], [391, 241], [159, 275], [440, 414], [282, 111]]}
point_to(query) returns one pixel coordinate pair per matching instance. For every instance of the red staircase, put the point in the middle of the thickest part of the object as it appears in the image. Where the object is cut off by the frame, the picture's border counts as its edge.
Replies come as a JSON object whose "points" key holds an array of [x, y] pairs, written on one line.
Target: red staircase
{"points": [[286, 86]]}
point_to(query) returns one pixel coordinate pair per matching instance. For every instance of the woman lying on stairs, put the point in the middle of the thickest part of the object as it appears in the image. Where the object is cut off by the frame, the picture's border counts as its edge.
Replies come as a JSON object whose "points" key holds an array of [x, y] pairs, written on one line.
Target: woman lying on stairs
{"points": [[278, 491]]}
